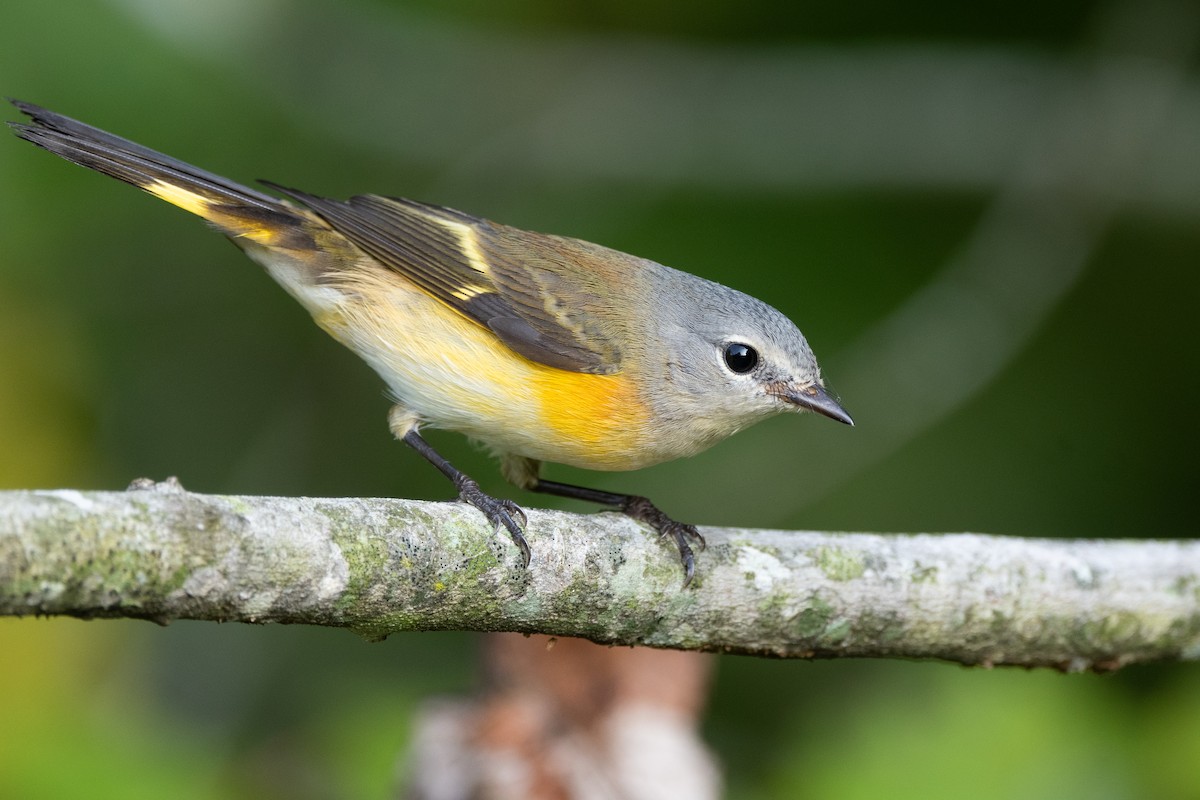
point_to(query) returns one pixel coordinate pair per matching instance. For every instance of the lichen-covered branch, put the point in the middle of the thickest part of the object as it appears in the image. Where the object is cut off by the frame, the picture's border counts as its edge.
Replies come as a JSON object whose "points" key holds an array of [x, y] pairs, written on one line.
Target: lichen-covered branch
{"points": [[383, 566]]}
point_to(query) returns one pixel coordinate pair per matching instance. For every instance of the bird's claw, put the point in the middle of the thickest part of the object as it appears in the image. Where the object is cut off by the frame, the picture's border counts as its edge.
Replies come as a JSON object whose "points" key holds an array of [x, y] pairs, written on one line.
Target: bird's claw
{"points": [[643, 510], [500, 512]]}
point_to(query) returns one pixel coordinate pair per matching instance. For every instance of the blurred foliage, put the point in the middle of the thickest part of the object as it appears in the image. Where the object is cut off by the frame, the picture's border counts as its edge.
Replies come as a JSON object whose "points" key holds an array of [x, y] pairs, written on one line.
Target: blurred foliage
{"points": [[134, 343]]}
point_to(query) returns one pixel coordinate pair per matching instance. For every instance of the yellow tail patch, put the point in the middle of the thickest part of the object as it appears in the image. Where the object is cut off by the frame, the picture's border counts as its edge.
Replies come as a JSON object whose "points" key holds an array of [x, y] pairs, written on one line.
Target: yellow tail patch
{"points": [[232, 224], [178, 196]]}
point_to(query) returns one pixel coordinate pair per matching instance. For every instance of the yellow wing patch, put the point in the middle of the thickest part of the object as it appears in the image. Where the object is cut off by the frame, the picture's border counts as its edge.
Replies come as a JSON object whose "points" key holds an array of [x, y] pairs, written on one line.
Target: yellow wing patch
{"points": [[470, 248], [469, 291], [452, 257]]}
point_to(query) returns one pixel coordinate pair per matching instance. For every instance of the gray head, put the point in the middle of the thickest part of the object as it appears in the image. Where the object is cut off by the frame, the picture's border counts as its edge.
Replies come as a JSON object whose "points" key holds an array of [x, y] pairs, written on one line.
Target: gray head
{"points": [[737, 358]]}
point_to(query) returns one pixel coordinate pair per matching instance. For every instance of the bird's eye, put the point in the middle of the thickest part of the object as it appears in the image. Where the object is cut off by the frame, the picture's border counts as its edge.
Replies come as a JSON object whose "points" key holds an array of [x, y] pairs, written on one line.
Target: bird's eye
{"points": [[741, 358]]}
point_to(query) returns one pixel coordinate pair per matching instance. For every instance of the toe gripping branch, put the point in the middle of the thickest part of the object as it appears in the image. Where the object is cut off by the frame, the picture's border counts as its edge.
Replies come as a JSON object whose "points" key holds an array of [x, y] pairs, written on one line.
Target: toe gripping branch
{"points": [[501, 513], [505, 513], [638, 508]]}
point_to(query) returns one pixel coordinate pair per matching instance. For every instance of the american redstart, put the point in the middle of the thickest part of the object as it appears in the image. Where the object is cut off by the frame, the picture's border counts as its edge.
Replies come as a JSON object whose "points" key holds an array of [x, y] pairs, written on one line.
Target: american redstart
{"points": [[541, 347]]}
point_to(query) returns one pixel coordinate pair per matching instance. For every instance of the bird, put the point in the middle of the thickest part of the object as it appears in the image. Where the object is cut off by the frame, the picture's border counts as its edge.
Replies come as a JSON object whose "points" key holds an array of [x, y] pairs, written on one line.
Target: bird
{"points": [[543, 348]]}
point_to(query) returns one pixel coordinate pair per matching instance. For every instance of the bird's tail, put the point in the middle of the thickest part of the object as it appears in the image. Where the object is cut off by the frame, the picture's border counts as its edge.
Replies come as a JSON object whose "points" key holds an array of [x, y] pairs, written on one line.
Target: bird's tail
{"points": [[238, 211]]}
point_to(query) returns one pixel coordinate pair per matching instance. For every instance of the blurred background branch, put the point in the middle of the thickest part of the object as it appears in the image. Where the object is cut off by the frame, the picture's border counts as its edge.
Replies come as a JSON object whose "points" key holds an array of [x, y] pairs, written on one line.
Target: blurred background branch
{"points": [[385, 566]]}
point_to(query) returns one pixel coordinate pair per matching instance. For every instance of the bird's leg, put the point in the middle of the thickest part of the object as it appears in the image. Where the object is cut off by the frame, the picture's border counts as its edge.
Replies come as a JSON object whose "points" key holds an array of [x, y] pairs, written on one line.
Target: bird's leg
{"points": [[640, 509], [498, 511]]}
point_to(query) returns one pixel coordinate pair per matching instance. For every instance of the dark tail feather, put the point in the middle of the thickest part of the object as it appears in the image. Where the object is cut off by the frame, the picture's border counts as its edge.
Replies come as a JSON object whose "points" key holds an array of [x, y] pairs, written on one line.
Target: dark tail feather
{"points": [[145, 168]]}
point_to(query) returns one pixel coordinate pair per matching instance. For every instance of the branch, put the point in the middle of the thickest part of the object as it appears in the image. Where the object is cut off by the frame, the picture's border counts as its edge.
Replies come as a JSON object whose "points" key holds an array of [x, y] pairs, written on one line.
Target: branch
{"points": [[381, 566]]}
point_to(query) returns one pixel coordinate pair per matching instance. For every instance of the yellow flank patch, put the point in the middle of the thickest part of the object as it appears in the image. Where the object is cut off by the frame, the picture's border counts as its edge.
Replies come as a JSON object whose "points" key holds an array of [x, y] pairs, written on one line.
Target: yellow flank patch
{"points": [[177, 195], [454, 373], [599, 419]]}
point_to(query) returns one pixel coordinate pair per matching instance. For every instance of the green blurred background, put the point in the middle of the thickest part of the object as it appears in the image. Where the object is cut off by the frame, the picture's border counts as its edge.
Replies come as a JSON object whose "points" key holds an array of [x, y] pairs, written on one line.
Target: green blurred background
{"points": [[984, 217]]}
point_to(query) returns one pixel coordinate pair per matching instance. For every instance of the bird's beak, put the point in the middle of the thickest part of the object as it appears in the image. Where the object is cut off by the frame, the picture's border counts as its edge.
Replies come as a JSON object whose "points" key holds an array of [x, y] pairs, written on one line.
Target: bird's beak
{"points": [[815, 398]]}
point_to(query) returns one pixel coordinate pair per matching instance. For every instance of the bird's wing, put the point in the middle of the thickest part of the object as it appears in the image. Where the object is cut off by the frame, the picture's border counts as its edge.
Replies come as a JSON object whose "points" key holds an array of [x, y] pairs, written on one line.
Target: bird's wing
{"points": [[542, 295]]}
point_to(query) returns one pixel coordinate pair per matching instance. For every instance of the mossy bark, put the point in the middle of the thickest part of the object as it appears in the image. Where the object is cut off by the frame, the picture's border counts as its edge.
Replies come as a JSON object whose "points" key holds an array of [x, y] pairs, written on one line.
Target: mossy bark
{"points": [[384, 566]]}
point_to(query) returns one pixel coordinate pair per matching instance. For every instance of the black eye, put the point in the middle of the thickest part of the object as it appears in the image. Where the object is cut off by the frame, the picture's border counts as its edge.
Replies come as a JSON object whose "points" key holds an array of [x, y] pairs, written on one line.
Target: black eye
{"points": [[741, 358]]}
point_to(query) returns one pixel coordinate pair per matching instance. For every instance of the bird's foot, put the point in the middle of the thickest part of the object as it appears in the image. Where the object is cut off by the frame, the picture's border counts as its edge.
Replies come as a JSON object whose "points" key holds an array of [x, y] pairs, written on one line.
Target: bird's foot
{"points": [[643, 510], [500, 512]]}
